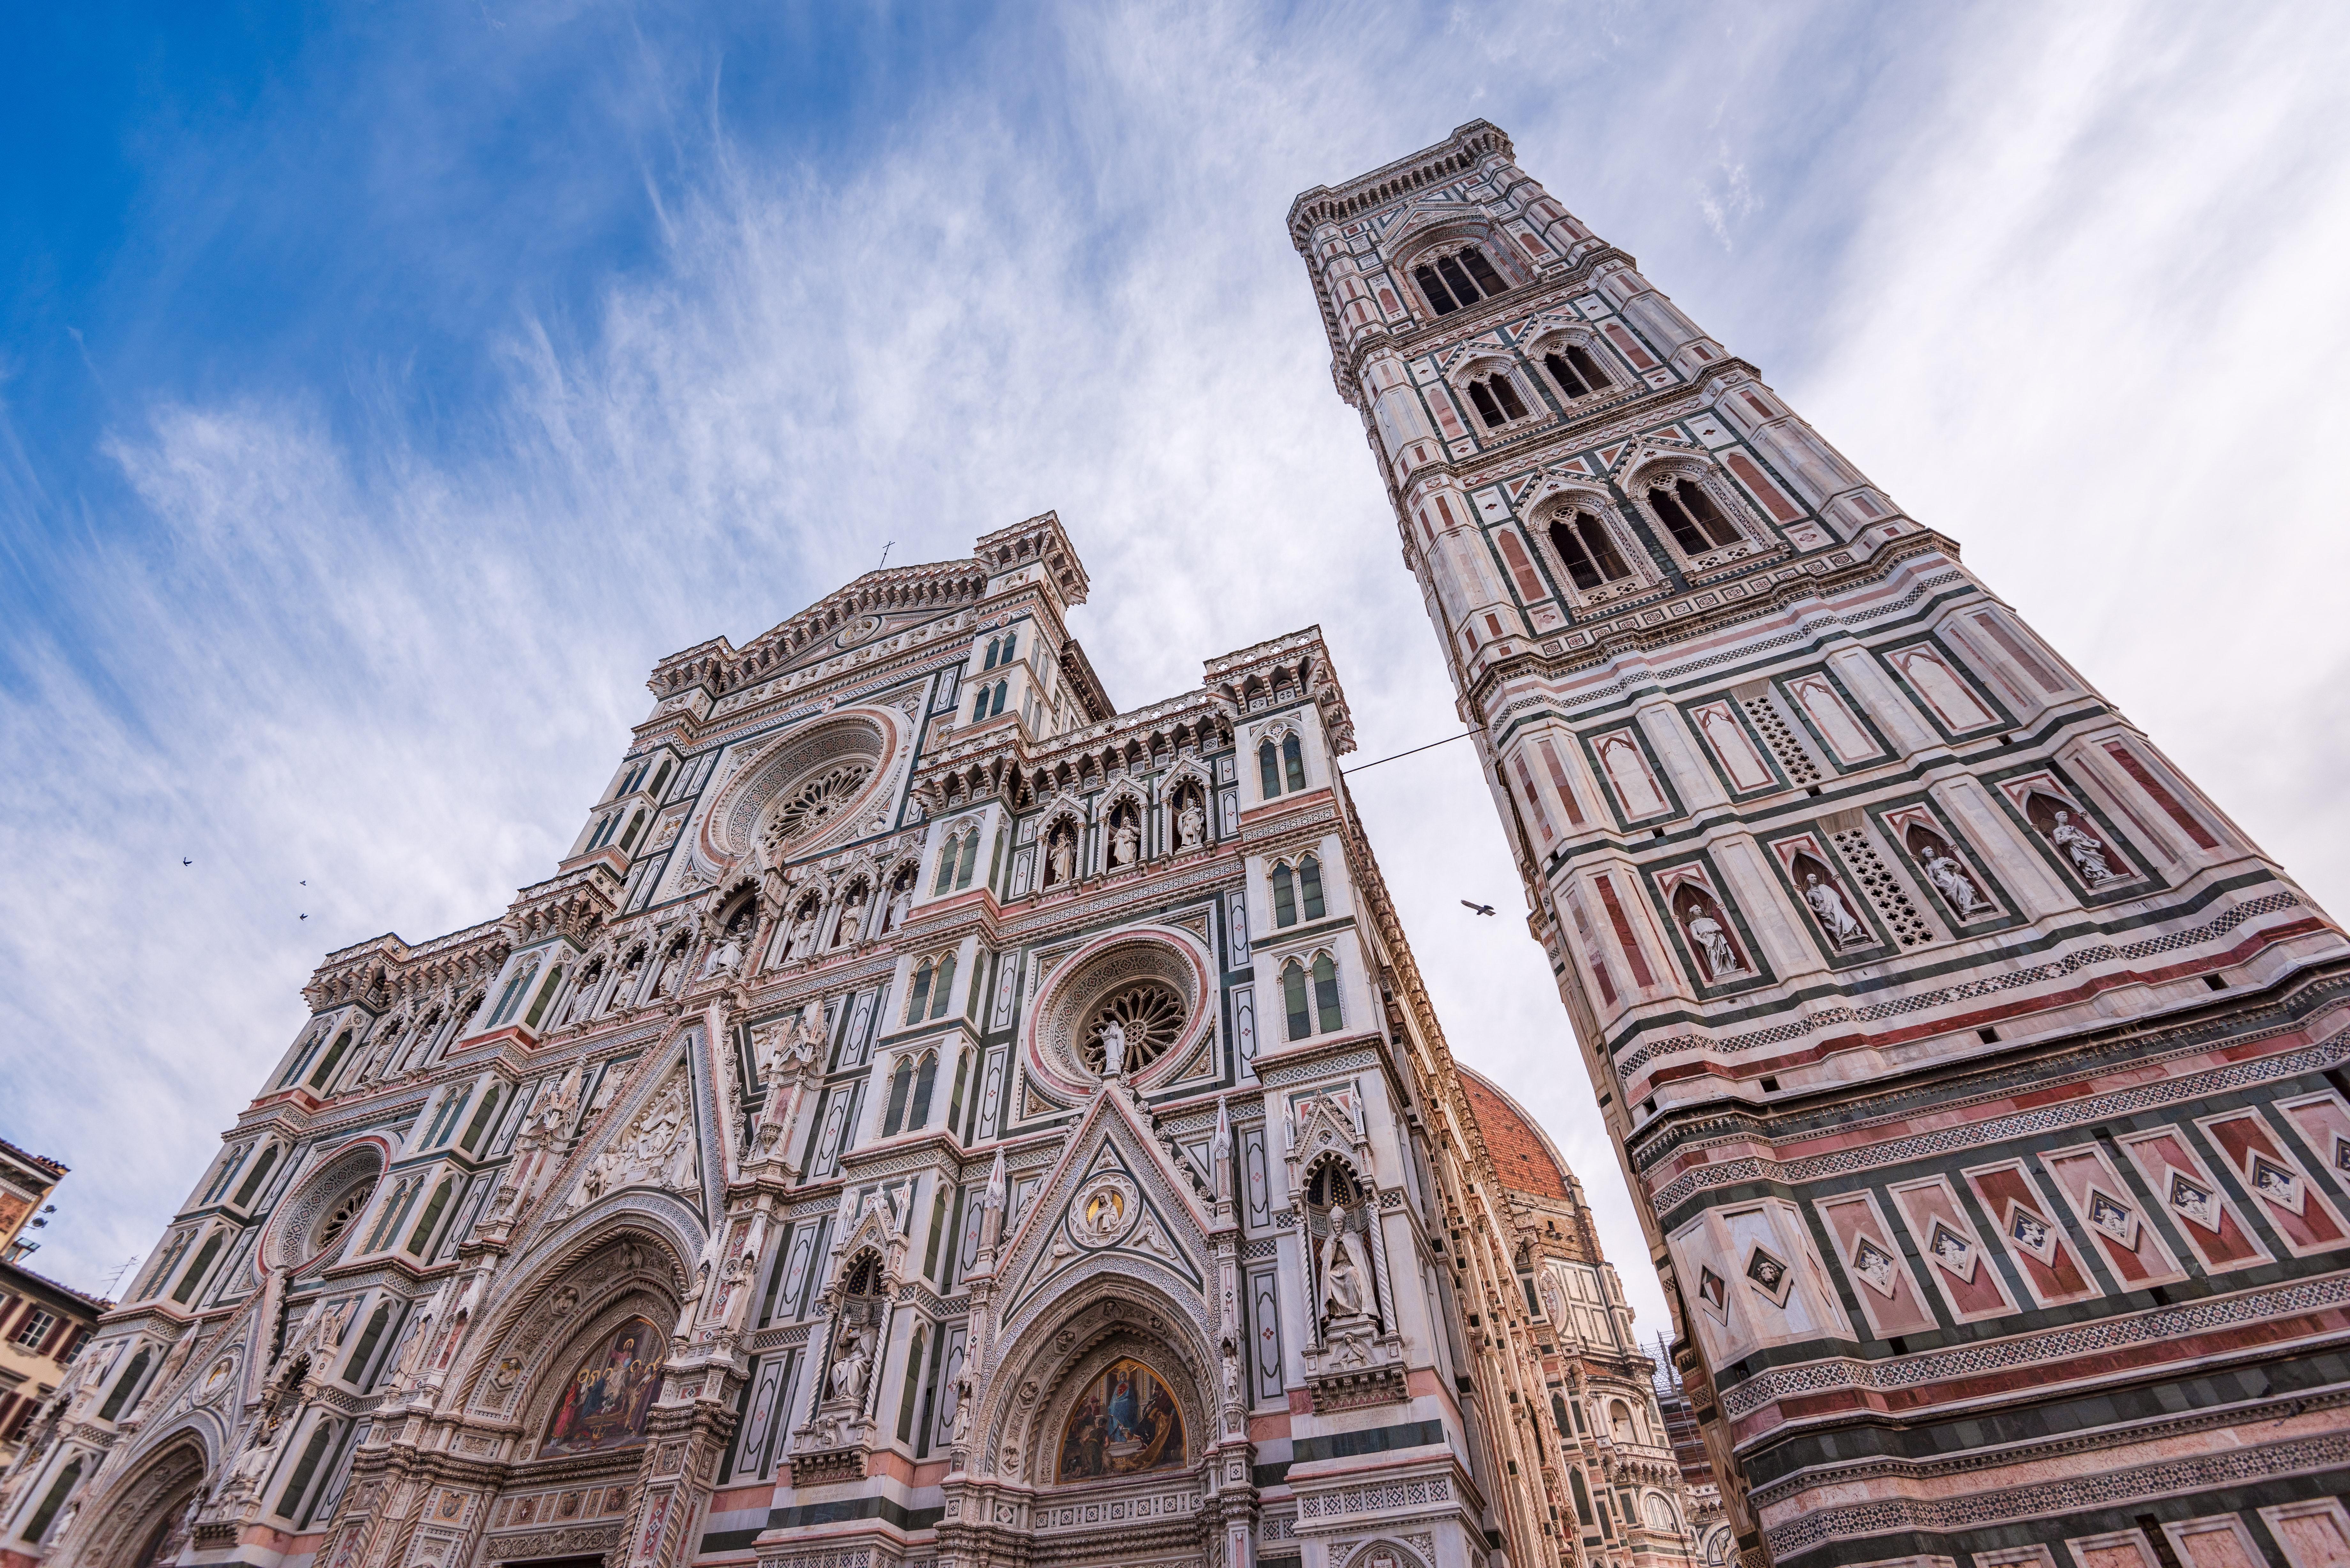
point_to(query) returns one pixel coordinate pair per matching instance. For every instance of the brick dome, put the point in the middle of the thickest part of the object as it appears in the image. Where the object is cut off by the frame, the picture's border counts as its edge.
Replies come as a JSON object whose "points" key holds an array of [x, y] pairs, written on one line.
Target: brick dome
{"points": [[1523, 1154]]}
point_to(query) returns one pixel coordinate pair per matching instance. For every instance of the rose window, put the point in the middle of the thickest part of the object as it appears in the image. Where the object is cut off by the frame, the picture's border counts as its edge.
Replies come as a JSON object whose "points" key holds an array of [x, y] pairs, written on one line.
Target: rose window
{"points": [[1149, 1016], [340, 1220], [816, 799]]}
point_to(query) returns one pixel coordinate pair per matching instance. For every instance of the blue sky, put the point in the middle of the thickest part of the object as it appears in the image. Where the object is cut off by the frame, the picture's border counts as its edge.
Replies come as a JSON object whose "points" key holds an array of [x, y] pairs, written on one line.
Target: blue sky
{"points": [[384, 389]]}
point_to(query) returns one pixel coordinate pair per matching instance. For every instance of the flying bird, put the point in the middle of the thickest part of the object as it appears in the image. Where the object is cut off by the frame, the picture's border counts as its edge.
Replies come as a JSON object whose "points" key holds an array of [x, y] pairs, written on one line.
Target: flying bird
{"points": [[305, 917], [1480, 909], [185, 861]]}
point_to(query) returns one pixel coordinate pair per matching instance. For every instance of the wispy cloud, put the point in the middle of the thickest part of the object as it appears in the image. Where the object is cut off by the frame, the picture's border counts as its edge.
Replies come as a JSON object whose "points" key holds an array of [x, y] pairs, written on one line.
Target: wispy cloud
{"points": [[384, 630]]}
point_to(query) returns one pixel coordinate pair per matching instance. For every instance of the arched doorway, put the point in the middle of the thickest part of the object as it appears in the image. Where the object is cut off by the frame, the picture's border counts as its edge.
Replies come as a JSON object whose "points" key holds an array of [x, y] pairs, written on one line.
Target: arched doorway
{"points": [[576, 1368], [1110, 1421], [146, 1522]]}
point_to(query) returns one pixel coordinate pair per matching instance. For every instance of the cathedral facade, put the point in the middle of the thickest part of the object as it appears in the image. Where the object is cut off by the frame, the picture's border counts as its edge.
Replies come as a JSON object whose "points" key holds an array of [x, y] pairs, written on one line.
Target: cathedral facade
{"points": [[1980, 1083], [931, 1117]]}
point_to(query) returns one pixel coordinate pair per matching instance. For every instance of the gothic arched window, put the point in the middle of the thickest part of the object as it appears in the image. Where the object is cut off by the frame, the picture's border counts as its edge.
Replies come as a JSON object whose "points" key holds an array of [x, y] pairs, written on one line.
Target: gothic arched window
{"points": [[926, 1083], [927, 998], [334, 1059], [957, 861], [1293, 763], [902, 1084], [124, 1387], [419, 1239], [253, 1183], [1583, 543], [1576, 372], [1696, 523], [1326, 993], [1309, 887], [1453, 281], [1293, 1000], [1497, 400], [1268, 766], [1284, 897], [995, 647]]}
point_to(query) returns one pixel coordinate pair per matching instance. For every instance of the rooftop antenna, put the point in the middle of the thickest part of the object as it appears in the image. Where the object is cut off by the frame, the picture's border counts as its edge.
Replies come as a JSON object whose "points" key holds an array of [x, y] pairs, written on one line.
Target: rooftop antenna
{"points": [[115, 1278], [884, 553]]}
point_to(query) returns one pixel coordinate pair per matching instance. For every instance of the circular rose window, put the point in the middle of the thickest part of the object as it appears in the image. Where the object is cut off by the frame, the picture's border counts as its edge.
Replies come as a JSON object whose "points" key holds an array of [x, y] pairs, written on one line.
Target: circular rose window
{"points": [[1129, 1003], [1135, 1026], [814, 800], [804, 790], [339, 1219]]}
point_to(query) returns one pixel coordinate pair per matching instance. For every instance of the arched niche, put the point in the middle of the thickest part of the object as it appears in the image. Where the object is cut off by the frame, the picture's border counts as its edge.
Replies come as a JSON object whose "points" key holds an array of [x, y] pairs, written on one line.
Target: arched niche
{"points": [[145, 1521], [568, 1304], [1056, 1369]]}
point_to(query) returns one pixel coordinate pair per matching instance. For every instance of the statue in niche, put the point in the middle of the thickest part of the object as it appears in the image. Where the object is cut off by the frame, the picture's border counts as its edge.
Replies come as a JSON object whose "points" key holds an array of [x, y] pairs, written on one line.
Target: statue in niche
{"points": [[1125, 842], [1702, 920], [665, 978], [852, 915], [901, 901], [1836, 916], [850, 1368], [2086, 851], [726, 956], [631, 973], [803, 932], [1062, 855], [1191, 824], [1951, 879], [963, 1392], [1344, 1278], [1112, 1044]]}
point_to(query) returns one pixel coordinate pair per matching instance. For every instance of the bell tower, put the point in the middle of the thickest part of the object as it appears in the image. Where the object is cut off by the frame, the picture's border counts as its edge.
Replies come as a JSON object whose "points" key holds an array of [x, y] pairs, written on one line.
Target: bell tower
{"points": [[1979, 1084]]}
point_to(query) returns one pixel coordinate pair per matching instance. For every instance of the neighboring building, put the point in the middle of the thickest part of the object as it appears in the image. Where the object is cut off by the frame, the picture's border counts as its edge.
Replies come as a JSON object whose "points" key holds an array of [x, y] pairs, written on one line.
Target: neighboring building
{"points": [[1716, 1542], [1628, 1500], [43, 1324], [930, 1117], [1979, 1082]]}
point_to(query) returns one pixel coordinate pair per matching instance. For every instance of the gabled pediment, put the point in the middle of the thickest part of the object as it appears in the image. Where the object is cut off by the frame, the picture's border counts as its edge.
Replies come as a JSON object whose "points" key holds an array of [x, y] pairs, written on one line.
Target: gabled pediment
{"points": [[1112, 1199]]}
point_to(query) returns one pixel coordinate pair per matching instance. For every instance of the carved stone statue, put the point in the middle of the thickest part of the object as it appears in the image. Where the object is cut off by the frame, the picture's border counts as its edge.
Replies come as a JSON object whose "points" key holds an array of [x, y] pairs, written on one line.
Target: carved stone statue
{"points": [[1125, 843], [803, 933], [901, 904], [1721, 957], [725, 958], [1344, 1280], [1191, 825], [850, 1367], [1951, 879], [2086, 851], [963, 1398], [1112, 1044], [852, 918], [1843, 928], [1064, 857]]}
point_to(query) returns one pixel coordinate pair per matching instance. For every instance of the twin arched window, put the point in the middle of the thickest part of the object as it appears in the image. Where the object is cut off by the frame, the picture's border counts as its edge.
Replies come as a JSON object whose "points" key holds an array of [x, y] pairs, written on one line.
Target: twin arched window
{"points": [[990, 701], [1497, 400], [1583, 541], [1003, 650], [957, 862], [910, 1087], [1292, 889], [1453, 281], [933, 981], [1283, 769], [1697, 524], [1578, 375], [1313, 1012]]}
